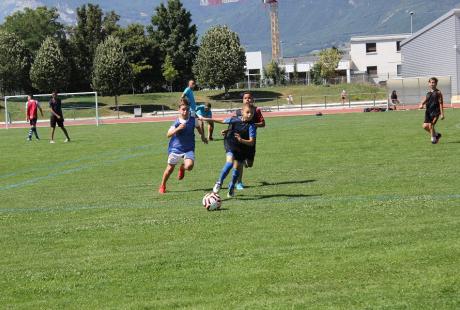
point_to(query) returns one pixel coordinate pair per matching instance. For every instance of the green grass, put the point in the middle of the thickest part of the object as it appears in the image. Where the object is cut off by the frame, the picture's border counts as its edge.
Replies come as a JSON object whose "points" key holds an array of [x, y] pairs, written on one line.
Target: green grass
{"points": [[353, 211], [158, 102]]}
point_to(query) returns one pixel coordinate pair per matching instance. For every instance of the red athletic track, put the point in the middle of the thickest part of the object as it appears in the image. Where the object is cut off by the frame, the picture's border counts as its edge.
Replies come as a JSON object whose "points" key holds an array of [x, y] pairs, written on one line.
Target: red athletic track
{"points": [[154, 119]]}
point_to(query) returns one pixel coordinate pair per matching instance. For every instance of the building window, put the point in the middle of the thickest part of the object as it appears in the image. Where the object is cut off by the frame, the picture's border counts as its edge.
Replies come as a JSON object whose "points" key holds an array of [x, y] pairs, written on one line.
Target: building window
{"points": [[399, 70], [398, 46], [371, 47], [372, 71]]}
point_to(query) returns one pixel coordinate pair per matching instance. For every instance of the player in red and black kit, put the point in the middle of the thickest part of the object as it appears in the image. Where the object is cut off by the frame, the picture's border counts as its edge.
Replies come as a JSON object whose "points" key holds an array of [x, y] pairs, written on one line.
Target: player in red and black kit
{"points": [[259, 122], [434, 109], [32, 108], [57, 117]]}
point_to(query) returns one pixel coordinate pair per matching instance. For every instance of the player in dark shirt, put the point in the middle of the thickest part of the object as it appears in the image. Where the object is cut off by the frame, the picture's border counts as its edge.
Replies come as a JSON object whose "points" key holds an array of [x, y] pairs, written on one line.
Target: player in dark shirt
{"points": [[434, 103], [57, 117]]}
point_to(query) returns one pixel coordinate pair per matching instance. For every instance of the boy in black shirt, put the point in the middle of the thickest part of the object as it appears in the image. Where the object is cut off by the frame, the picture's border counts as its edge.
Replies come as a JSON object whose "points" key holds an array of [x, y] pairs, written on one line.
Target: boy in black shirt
{"points": [[57, 117], [434, 109]]}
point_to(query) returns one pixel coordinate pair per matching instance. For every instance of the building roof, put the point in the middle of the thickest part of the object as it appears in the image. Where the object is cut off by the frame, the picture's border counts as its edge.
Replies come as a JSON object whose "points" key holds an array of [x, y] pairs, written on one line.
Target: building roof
{"points": [[384, 37], [430, 26]]}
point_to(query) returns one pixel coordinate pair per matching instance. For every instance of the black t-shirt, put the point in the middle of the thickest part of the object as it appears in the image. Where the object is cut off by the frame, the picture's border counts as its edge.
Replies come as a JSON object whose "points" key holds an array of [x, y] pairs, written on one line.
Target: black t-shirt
{"points": [[55, 105], [432, 101]]}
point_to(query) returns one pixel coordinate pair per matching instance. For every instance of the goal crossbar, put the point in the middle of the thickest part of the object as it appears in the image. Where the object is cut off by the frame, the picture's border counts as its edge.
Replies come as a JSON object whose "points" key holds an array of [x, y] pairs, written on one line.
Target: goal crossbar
{"points": [[49, 95]]}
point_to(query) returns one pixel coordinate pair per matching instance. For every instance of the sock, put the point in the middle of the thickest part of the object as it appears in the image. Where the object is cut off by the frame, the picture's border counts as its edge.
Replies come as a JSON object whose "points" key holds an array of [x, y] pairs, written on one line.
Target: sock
{"points": [[225, 170], [30, 132], [235, 176], [35, 132]]}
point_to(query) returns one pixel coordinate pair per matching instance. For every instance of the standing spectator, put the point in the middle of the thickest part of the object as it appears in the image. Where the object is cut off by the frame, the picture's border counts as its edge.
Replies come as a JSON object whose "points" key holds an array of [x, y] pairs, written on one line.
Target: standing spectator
{"points": [[394, 99], [188, 92], [344, 96]]}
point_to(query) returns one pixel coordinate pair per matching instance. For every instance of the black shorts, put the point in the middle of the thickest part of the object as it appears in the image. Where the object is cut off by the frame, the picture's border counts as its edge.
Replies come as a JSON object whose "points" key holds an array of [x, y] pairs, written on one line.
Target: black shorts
{"points": [[33, 122], [54, 120], [431, 117]]}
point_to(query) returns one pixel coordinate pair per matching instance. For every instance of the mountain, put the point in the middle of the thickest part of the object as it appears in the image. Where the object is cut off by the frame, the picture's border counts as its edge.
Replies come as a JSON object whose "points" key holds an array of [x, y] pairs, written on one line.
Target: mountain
{"points": [[305, 25]]}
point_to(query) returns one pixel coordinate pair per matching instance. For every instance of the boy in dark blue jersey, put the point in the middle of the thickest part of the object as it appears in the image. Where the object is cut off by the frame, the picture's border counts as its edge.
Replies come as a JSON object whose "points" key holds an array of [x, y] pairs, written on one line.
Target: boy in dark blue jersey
{"points": [[238, 142], [182, 144], [434, 109]]}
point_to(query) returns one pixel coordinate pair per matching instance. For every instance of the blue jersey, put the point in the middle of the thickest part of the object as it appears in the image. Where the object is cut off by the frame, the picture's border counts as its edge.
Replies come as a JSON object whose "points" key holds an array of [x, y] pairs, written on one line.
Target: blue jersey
{"points": [[188, 92], [184, 140], [245, 130], [201, 111]]}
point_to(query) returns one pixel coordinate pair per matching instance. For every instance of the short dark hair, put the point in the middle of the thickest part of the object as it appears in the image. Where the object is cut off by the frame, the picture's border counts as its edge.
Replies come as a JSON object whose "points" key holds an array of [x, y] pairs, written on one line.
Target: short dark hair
{"points": [[31, 96], [248, 93], [433, 79], [208, 105], [183, 102]]}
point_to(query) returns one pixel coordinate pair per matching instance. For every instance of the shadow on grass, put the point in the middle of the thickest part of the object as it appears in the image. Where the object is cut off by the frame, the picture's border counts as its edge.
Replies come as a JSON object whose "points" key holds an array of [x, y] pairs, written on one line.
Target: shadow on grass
{"points": [[237, 96], [146, 108], [287, 196]]}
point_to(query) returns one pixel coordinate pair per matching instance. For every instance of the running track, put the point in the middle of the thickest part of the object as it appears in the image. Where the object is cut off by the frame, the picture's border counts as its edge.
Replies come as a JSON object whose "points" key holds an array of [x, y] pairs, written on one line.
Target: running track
{"points": [[156, 119]]}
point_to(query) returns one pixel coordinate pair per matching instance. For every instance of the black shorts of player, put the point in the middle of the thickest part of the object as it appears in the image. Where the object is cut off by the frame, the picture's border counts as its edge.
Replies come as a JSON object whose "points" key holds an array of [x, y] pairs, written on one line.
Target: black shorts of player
{"points": [[54, 120], [431, 116], [33, 122]]}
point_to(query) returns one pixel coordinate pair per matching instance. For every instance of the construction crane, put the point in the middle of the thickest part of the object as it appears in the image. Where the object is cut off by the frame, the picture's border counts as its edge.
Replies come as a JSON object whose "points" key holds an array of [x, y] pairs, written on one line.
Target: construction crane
{"points": [[274, 22]]}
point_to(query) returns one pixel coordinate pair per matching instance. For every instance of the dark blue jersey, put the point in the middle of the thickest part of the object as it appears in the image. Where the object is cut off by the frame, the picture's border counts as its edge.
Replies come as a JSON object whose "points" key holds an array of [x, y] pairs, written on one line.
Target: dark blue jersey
{"points": [[244, 129]]}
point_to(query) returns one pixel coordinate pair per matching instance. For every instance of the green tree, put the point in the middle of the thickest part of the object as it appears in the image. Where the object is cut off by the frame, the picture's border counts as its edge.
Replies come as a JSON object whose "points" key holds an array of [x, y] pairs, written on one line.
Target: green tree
{"points": [[315, 74], [14, 63], [90, 30], [328, 62], [112, 72], [169, 72], [221, 58], [33, 26], [175, 35], [142, 55], [295, 73], [275, 73], [50, 68]]}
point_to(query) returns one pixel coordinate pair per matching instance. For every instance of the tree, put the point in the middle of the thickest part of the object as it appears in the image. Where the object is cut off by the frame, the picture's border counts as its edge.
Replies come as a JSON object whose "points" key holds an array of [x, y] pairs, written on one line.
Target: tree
{"points": [[90, 30], [142, 55], [169, 72], [221, 58], [295, 74], [112, 73], [315, 74], [328, 62], [50, 68], [274, 72], [33, 26], [175, 35], [14, 63]]}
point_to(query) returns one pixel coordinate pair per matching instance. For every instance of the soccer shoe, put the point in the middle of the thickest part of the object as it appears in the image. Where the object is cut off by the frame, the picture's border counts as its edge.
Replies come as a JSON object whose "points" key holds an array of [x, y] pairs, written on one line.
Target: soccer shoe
{"points": [[29, 139], [438, 137], [181, 173], [231, 192], [66, 140], [216, 187], [52, 141], [240, 186], [162, 189]]}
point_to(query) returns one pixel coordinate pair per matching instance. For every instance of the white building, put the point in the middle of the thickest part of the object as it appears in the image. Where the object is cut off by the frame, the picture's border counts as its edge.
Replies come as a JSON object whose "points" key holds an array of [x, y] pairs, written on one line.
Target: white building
{"points": [[378, 56], [255, 64]]}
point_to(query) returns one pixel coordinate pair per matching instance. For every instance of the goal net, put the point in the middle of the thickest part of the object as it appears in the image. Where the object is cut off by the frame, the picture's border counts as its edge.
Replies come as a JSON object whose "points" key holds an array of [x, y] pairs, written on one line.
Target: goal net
{"points": [[80, 107]]}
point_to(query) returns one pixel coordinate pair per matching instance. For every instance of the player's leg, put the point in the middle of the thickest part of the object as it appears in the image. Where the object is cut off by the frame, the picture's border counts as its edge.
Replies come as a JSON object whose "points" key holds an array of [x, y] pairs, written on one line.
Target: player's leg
{"points": [[224, 172], [210, 131], [189, 162], [65, 132], [53, 128], [173, 159], [231, 187], [248, 163], [434, 135]]}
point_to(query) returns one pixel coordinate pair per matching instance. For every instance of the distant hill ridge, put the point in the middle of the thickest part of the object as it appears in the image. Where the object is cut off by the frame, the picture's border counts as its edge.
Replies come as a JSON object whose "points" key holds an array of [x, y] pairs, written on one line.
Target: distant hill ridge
{"points": [[305, 25]]}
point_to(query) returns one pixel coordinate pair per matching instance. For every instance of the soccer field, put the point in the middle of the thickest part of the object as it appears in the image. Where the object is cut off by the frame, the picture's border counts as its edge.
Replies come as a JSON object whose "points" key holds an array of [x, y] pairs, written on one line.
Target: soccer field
{"points": [[356, 211]]}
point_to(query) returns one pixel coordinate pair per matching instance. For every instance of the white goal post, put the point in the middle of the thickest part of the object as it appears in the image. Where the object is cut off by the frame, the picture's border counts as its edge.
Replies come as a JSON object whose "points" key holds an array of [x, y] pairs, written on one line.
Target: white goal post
{"points": [[61, 95]]}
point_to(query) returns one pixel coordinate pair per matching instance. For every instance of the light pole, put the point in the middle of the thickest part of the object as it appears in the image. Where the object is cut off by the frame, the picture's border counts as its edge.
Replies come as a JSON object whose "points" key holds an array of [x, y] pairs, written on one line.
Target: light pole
{"points": [[411, 13]]}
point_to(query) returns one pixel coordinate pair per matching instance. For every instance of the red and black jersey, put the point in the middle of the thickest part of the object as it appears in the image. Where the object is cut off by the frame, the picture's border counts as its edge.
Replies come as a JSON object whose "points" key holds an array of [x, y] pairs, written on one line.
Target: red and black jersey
{"points": [[32, 109]]}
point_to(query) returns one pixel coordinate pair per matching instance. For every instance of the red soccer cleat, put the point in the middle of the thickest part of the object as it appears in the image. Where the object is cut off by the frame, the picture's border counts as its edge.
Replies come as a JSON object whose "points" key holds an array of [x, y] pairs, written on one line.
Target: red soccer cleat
{"points": [[162, 189], [181, 173]]}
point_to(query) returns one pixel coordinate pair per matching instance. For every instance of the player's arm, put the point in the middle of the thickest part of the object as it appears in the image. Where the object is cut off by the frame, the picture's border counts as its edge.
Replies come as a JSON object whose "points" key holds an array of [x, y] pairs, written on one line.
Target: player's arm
{"points": [[207, 119], [261, 119], [173, 130], [441, 104], [27, 111], [422, 104], [53, 112], [249, 142], [40, 108]]}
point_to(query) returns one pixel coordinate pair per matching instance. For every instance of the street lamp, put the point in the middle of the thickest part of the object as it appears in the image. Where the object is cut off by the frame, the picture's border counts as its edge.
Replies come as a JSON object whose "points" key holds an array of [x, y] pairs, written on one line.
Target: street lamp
{"points": [[411, 13]]}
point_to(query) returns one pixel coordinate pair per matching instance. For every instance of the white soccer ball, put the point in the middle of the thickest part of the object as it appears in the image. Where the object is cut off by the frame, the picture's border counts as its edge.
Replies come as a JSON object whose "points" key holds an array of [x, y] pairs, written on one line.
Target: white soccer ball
{"points": [[212, 201]]}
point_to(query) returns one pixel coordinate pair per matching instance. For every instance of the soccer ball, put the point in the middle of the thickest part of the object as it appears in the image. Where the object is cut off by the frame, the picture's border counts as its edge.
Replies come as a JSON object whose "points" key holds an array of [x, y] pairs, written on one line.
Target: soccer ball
{"points": [[212, 201]]}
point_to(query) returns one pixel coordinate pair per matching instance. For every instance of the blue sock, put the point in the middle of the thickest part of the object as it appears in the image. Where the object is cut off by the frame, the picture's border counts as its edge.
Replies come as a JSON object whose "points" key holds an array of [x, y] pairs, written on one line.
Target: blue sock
{"points": [[225, 170], [235, 176]]}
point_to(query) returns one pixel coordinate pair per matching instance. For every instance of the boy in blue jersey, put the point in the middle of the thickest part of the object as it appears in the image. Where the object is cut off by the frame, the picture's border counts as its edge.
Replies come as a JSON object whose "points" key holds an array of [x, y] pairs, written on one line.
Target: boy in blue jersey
{"points": [[188, 93], [204, 110], [238, 142], [182, 144]]}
